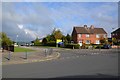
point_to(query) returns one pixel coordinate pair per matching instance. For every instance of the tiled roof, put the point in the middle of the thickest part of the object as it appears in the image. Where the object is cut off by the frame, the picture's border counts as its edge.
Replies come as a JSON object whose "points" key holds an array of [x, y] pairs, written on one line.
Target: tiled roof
{"points": [[88, 30], [116, 31]]}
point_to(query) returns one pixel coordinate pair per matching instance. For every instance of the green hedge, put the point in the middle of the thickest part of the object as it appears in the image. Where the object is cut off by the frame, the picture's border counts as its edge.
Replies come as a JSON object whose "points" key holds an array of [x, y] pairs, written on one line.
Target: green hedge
{"points": [[52, 44], [76, 46]]}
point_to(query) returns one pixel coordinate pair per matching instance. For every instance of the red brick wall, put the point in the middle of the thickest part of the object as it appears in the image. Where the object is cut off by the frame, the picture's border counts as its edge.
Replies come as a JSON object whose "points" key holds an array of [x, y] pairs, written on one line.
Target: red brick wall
{"points": [[92, 38]]}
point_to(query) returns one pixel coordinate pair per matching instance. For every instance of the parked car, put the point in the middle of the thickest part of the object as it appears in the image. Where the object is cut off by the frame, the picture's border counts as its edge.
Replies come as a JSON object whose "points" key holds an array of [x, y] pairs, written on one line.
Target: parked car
{"points": [[106, 46]]}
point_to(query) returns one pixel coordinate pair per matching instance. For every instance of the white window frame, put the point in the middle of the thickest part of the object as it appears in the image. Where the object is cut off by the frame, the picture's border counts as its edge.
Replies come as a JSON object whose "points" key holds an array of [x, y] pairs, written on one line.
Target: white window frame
{"points": [[97, 41], [97, 35], [87, 42], [104, 35], [79, 35], [87, 35]]}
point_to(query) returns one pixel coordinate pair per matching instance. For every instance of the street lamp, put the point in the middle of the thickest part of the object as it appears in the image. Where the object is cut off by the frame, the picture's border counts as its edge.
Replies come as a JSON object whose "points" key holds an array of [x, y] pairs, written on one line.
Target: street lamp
{"points": [[16, 39], [26, 50], [112, 36]]}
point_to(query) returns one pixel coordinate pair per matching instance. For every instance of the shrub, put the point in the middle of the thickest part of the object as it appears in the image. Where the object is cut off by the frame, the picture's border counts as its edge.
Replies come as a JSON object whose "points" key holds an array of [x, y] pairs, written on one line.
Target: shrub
{"points": [[76, 46], [52, 44]]}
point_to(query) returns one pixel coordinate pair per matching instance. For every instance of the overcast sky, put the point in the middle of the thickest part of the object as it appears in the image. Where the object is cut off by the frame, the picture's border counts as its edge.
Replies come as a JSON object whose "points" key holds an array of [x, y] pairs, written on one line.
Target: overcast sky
{"points": [[29, 20]]}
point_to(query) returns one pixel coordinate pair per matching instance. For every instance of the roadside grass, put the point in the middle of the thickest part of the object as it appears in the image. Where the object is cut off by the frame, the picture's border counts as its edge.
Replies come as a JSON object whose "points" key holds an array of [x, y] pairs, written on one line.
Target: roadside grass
{"points": [[19, 49]]}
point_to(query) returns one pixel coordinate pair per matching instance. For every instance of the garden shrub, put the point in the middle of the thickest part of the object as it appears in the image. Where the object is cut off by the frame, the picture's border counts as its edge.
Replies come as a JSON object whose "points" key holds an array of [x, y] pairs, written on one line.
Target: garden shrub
{"points": [[76, 46]]}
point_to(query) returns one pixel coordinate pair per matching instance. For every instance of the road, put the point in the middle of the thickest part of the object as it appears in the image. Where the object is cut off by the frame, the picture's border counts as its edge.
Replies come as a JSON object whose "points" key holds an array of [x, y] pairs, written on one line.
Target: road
{"points": [[72, 63]]}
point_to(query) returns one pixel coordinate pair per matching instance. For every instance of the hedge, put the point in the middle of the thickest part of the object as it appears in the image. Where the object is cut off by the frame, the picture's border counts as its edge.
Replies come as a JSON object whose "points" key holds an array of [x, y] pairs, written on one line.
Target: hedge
{"points": [[76, 46], [52, 44]]}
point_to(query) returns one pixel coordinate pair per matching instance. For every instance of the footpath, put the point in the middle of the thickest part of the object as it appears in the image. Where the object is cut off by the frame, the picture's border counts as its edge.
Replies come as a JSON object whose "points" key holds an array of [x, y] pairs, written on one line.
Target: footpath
{"points": [[9, 58]]}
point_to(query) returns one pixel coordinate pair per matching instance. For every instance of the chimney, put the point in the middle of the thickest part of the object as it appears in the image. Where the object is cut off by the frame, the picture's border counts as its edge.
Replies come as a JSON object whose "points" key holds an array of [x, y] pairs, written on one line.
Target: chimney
{"points": [[85, 26], [91, 27]]}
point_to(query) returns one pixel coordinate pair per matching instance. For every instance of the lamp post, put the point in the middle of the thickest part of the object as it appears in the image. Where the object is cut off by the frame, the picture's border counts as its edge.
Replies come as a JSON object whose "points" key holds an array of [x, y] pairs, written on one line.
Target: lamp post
{"points": [[26, 54], [16, 39], [112, 37]]}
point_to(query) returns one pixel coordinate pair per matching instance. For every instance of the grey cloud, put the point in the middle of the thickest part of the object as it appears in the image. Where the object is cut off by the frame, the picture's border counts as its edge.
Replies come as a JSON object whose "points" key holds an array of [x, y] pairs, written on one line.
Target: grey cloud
{"points": [[39, 19]]}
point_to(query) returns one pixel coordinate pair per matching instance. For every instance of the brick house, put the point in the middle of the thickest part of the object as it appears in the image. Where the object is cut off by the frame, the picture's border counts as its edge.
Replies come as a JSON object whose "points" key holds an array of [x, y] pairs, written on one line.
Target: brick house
{"points": [[116, 34], [88, 35]]}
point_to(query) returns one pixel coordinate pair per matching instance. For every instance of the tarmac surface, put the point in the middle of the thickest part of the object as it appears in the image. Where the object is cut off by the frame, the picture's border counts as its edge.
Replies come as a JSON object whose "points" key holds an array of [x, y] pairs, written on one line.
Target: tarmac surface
{"points": [[70, 64]]}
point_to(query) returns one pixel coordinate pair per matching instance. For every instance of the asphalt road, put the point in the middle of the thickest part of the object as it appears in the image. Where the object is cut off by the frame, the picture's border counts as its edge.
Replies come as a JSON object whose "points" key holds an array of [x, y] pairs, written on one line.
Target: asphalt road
{"points": [[72, 63]]}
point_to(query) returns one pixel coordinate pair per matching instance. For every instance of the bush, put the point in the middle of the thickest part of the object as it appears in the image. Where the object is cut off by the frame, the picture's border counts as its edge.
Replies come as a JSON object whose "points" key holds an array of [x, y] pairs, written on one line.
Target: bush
{"points": [[76, 46], [52, 44], [98, 46]]}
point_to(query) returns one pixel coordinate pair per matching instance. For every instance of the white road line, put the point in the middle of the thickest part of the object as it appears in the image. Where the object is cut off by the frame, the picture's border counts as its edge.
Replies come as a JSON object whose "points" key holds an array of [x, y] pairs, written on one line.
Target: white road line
{"points": [[77, 56]]}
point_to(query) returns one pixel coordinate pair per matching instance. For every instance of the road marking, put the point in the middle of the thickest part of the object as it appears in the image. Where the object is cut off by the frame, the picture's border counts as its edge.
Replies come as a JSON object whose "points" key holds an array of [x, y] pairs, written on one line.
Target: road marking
{"points": [[77, 56], [68, 57]]}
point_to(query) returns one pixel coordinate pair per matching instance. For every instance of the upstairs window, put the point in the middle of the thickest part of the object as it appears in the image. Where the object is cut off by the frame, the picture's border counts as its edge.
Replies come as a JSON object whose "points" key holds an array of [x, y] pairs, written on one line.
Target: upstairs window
{"points": [[79, 35], [97, 36], [87, 35], [104, 35]]}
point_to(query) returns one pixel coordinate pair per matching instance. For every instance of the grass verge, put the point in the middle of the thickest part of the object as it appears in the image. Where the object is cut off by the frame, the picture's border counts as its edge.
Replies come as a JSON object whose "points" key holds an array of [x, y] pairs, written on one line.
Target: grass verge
{"points": [[19, 49]]}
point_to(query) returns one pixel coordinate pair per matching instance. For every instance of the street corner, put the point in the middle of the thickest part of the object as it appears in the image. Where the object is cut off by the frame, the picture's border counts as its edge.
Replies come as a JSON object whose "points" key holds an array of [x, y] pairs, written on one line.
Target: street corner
{"points": [[53, 56]]}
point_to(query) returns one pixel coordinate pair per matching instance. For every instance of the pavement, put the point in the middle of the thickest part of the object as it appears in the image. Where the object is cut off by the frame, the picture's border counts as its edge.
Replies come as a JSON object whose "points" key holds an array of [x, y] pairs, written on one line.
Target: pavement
{"points": [[9, 58]]}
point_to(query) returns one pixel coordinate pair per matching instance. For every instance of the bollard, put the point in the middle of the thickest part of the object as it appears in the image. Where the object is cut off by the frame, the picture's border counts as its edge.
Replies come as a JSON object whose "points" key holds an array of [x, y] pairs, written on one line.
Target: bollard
{"points": [[50, 51], [45, 52], [9, 55], [26, 55], [73, 47], [99, 47]]}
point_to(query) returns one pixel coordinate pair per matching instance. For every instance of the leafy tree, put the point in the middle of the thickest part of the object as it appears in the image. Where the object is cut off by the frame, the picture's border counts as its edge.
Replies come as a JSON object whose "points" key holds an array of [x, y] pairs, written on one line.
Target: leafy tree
{"points": [[114, 40], [44, 41], [36, 42], [103, 40], [50, 38], [5, 41], [68, 37], [58, 34], [64, 39]]}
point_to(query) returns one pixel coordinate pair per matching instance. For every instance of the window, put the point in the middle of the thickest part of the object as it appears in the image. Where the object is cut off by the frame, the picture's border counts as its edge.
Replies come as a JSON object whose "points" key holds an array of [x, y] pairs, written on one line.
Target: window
{"points": [[79, 35], [104, 35], [80, 41], [97, 36], [87, 35], [87, 41], [97, 41]]}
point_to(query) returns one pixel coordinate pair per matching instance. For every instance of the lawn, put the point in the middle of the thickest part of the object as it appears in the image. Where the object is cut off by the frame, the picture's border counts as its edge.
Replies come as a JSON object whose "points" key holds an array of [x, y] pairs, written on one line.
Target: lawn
{"points": [[19, 49]]}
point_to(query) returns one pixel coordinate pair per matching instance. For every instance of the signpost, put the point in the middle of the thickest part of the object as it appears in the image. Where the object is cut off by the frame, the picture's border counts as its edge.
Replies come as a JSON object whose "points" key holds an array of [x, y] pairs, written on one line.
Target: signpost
{"points": [[57, 41]]}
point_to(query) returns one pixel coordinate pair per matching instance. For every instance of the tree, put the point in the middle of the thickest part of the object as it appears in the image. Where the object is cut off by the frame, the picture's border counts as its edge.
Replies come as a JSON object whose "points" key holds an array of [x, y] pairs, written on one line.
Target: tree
{"points": [[5, 41], [50, 38], [64, 39], [36, 42], [103, 40], [114, 40], [44, 41], [58, 34], [68, 37]]}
